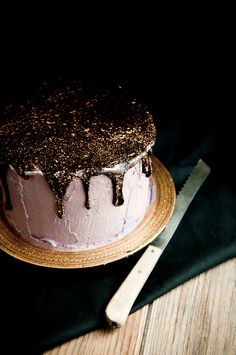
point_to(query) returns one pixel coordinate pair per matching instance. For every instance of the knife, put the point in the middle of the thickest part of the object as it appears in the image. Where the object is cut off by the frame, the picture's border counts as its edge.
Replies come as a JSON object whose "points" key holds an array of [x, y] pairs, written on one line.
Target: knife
{"points": [[121, 303]]}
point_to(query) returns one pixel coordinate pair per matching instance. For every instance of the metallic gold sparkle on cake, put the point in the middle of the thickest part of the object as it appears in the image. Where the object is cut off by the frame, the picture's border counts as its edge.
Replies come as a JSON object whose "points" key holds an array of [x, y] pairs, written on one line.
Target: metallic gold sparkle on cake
{"points": [[74, 127]]}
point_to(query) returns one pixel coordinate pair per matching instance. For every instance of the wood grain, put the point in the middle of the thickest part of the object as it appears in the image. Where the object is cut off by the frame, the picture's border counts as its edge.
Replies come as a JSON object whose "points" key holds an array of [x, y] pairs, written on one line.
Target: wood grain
{"points": [[196, 318]]}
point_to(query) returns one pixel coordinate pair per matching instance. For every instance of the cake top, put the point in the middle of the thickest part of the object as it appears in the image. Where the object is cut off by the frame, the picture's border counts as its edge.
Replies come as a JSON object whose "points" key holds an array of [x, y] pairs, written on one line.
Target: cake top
{"points": [[70, 127]]}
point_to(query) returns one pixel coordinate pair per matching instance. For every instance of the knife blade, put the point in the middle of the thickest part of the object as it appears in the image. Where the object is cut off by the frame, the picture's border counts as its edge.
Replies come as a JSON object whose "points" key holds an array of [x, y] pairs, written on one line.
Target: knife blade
{"points": [[121, 303]]}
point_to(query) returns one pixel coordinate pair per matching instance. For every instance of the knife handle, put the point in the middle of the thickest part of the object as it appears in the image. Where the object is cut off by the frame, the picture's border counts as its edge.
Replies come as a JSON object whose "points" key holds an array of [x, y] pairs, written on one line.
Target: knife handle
{"points": [[119, 307]]}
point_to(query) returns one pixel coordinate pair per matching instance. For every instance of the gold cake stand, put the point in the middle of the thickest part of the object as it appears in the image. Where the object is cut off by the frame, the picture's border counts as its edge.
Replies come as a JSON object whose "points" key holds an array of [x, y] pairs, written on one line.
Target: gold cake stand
{"points": [[150, 227]]}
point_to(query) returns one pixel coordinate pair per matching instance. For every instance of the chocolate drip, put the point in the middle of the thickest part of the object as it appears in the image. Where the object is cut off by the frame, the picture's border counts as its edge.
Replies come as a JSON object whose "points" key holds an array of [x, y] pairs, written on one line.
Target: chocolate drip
{"points": [[117, 182], [59, 186], [147, 165], [3, 177], [86, 182], [76, 126], [60, 206]]}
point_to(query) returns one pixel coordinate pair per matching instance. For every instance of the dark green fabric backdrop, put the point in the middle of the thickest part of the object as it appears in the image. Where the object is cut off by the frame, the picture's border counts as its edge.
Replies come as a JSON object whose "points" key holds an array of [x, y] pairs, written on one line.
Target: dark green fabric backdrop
{"points": [[42, 307]]}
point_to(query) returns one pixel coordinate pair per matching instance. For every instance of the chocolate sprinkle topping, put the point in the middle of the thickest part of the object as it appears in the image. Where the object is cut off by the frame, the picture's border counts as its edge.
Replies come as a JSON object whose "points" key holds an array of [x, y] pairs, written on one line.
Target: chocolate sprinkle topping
{"points": [[72, 130]]}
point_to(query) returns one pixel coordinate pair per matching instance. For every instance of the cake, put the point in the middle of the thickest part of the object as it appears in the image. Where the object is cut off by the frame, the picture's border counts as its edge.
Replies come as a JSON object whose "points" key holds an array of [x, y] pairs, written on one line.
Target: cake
{"points": [[75, 165]]}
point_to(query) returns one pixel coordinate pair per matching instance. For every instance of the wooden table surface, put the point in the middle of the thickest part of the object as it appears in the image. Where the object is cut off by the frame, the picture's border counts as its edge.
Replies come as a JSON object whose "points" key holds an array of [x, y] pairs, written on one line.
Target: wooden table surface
{"points": [[196, 318]]}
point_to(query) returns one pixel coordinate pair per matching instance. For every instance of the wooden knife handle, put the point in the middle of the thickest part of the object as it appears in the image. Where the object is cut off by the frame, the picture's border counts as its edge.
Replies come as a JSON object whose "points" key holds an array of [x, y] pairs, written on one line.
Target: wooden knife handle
{"points": [[119, 307]]}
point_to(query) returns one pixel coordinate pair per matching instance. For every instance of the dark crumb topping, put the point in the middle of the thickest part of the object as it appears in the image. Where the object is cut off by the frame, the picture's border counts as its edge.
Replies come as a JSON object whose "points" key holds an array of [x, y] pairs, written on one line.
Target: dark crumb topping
{"points": [[68, 127]]}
